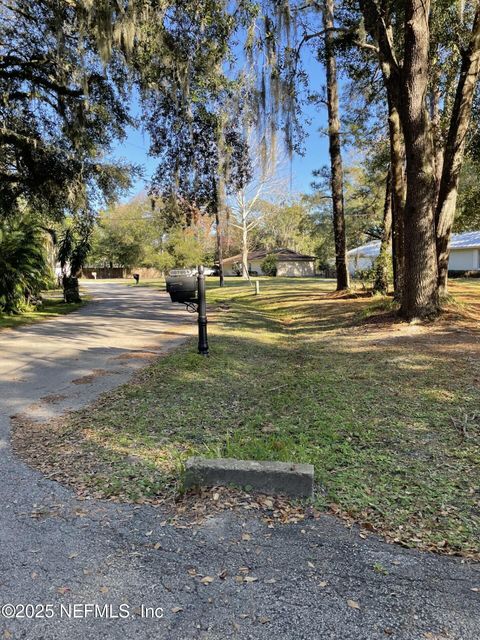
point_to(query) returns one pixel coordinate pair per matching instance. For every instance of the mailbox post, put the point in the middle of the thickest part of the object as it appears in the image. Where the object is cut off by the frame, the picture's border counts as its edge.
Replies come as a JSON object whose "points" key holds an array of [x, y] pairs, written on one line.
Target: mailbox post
{"points": [[202, 314], [189, 289]]}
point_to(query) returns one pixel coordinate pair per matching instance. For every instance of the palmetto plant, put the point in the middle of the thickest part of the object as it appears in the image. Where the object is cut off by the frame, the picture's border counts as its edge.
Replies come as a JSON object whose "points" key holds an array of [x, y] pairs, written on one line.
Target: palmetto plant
{"points": [[24, 268], [73, 249]]}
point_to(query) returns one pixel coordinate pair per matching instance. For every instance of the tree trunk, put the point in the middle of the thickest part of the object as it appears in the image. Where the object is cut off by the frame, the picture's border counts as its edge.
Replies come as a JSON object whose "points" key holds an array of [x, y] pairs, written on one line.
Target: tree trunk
{"points": [[435, 99], [420, 293], [71, 290], [219, 247], [407, 86], [335, 150], [220, 209], [246, 275], [382, 266], [397, 163], [454, 151], [380, 29]]}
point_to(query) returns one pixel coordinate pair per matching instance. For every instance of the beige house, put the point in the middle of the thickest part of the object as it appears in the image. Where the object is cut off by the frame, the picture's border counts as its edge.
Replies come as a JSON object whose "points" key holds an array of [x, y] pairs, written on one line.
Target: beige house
{"points": [[289, 263]]}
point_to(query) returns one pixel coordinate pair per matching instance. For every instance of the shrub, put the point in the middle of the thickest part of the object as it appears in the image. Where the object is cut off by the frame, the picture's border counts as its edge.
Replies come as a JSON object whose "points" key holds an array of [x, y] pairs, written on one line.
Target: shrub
{"points": [[24, 270], [269, 265], [366, 276], [186, 249], [163, 262], [475, 273], [383, 267]]}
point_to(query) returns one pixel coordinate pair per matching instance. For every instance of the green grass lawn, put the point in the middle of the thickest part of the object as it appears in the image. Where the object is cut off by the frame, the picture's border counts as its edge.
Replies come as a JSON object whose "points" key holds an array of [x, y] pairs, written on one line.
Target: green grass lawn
{"points": [[387, 412], [51, 307]]}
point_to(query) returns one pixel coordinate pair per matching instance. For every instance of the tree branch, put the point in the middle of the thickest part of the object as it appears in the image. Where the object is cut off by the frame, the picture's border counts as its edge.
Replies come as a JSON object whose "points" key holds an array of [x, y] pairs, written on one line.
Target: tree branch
{"points": [[59, 89], [380, 32], [365, 45]]}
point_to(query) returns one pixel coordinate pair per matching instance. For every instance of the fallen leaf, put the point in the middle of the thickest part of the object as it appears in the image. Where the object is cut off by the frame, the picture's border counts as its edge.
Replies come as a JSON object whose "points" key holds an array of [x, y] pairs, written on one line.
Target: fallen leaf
{"points": [[271, 581], [263, 620], [63, 590], [250, 579], [207, 580], [311, 565], [477, 589], [176, 609], [157, 545], [353, 604], [246, 536], [323, 583], [34, 575], [104, 589], [148, 533], [72, 555], [223, 574], [7, 634]]}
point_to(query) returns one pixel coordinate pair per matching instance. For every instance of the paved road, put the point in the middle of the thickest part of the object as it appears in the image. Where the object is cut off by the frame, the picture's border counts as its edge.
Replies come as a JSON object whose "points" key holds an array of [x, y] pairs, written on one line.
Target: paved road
{"points": [[55, 549]]}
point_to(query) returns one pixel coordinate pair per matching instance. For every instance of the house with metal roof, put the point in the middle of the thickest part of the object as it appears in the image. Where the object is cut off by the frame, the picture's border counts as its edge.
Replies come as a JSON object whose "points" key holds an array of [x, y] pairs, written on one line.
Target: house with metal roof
{"points": [[289, 263], [464, 253]]}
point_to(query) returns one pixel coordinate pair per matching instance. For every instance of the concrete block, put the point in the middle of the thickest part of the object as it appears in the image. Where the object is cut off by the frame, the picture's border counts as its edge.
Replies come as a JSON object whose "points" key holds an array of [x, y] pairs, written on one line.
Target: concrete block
{"points": [[295, 480]]}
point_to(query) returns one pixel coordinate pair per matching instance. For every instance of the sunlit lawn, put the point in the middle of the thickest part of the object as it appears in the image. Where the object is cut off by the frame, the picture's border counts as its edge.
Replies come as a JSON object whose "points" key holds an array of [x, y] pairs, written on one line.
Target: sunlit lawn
{"points": [[387, 412], [467, 292]]}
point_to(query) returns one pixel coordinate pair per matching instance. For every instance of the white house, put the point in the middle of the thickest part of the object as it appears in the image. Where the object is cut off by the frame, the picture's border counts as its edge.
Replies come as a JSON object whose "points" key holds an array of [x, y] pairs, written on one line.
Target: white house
{"points": [[464, 253], [363, 257], [289, 263]]}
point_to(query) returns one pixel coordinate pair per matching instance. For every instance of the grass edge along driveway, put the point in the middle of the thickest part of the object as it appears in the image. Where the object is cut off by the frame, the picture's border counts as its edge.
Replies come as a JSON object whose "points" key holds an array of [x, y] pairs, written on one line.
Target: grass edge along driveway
{"points": [[51, 307]]}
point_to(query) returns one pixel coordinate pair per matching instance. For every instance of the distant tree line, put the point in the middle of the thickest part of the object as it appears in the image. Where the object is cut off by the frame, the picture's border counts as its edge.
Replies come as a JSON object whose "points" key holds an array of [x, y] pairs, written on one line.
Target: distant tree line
{"points": [[222, 89]]}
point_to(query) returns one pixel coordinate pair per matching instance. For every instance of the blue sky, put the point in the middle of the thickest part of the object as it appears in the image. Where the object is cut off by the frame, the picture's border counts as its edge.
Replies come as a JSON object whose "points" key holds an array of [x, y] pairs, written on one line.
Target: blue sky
{"points": [[135, 147]]}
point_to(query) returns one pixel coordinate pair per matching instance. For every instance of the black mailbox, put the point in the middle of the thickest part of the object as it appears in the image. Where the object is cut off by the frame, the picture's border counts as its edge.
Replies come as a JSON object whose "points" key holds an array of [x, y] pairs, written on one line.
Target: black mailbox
{"points": [[182, 285], [188, 286]]}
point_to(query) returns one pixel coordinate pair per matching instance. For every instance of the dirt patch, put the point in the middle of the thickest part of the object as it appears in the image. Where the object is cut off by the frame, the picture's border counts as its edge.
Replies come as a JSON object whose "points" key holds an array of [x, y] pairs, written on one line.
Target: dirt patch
{"points": [[133, 355], [91, 377], [175, 333], [53, 398], [47, 447], [349, 295], [385, 318], [195, 507]]}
